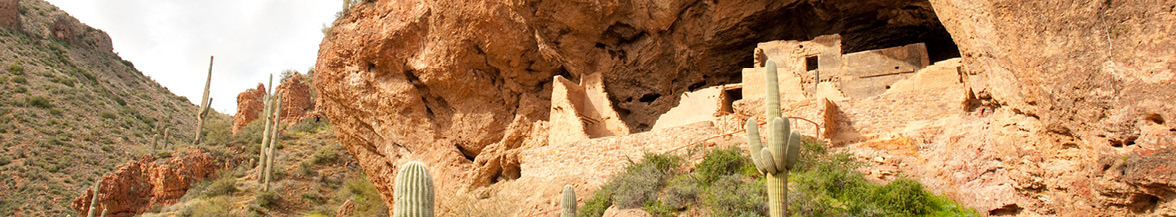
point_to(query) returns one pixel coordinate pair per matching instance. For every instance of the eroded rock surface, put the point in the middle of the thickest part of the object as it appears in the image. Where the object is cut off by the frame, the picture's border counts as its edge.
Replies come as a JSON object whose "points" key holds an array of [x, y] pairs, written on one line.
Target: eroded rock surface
{"points": [[249, 105], [444, 81], [138, 185], [297, 103]]}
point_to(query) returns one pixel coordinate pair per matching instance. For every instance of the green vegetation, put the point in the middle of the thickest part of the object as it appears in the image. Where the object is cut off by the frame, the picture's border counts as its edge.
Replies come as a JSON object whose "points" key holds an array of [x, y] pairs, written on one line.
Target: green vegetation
{"points": [[725, 183], [365, 196], [225, 184], [15, 69], [40, 102]]}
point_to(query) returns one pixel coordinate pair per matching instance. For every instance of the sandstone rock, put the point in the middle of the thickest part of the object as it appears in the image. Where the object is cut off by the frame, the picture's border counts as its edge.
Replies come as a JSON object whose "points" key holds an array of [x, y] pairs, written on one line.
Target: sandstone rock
{"points": [[249, 105], [138, 185], [460, 85], [297, 103], [10, 14]]}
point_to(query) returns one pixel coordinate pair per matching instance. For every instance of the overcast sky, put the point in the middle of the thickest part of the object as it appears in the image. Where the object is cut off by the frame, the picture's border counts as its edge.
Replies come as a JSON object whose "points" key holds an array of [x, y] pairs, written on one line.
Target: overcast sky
{"points": [[170, 40]]}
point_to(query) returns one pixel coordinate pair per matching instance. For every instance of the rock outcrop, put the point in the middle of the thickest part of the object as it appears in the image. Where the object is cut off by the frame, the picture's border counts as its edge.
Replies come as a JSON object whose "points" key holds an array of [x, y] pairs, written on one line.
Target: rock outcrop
{"points": [[138, 185], [297, 102], [249, 105], [10, 14], [1093, 82], [1047, 95], [443, 81]]}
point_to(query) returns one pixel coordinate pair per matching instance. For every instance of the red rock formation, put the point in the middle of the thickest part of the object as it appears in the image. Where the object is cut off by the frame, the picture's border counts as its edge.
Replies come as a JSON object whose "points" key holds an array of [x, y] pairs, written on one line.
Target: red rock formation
{"points": [[249, 105], [65, 29], [443, 81], [10, 14], [297, 103], [140, 184]]}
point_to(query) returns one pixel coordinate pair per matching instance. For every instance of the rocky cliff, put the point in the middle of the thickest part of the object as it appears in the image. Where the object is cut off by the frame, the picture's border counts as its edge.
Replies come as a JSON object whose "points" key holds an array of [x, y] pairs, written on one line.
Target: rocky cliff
{"points": [[138, 185], [465, 86], [297, 102]]}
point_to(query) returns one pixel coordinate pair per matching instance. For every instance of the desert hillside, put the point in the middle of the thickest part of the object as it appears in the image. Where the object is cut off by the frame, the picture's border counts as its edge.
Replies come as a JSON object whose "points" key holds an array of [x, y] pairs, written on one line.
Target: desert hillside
{"points": [[72, 110]]}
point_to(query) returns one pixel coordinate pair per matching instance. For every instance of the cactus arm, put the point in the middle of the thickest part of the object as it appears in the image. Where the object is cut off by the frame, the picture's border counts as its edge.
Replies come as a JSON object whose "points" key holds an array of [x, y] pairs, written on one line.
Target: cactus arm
{"points": [[769, 165], [793, 150], [568, 202], [754, 144], [414, 191], [777, 141]]}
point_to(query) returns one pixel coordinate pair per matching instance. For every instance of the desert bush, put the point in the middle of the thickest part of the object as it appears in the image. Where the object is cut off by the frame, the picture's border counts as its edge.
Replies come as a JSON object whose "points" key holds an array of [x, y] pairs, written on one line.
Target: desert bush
{"points": [[309, 125], [218, 130], [364, 195], [266, 199], [19, 79], [251, 133], [15, 69], [722, 162], [55, 112], [40, 102], [641, 181], [217, 206], [735, 195], [327, 153], [108, 115], [225, 184], [600, 201]]}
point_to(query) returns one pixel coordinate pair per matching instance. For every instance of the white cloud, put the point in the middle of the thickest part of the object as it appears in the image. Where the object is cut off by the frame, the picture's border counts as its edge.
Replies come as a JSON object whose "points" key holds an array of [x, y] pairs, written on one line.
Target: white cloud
{"points": [[170, 40]]}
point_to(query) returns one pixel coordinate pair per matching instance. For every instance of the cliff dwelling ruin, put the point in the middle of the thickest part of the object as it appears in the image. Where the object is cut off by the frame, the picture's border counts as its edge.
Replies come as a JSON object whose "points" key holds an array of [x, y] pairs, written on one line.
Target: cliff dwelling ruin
{"points": [[814, 69]]}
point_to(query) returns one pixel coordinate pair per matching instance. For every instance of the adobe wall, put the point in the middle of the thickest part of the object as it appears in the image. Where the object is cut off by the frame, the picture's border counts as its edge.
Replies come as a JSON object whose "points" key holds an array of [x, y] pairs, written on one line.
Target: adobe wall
{"points": [[870, 73], [10, 14]]}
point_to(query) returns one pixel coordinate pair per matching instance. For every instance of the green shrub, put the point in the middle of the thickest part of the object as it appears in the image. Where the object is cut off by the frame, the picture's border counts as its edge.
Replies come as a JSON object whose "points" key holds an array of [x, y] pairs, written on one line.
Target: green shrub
{"points": [[364, 195], [225, 184], [308, 125], [600, 201], [55, 112], [40, 102], [327, 153], [250, 134], [722, 162], [15, 69], [19, 79], [641, 182], [266, 199], [735, 195], [217, 206], [108, 115]]}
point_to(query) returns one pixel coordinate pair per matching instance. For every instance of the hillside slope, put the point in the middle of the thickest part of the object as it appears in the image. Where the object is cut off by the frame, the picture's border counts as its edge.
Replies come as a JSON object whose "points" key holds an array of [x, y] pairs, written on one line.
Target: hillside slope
{"points": [[72, 110]]}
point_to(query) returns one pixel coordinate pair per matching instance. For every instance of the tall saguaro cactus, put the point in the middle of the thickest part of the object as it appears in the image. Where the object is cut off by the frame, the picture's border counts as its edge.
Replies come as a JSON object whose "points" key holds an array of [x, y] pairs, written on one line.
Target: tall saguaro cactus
{"points": [[205, 102], [265, 118], [568, 202], [782, 150], [414, 191], [269, 161]]}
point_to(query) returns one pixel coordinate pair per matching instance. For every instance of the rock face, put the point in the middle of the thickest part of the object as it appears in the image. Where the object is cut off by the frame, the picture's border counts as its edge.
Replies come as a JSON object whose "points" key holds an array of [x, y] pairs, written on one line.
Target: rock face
{"points": [[297, 102], [1096, 78], [444, 81], [10, 14], [140, 184], [249, 105]]}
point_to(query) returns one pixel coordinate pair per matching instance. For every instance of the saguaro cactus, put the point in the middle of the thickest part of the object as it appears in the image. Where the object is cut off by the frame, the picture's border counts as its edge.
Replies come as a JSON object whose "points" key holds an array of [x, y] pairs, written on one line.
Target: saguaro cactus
{"points": [[205, 102], [414, 191], [568, 202], [94, 199], [269, 161], [265, 118], [782, 150]]}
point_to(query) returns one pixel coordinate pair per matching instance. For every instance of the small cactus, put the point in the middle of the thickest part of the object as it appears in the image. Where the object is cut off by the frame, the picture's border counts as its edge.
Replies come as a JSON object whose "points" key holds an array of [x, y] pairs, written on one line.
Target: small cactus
{"points": [[414, 191], [783, 148], [568, 202]]}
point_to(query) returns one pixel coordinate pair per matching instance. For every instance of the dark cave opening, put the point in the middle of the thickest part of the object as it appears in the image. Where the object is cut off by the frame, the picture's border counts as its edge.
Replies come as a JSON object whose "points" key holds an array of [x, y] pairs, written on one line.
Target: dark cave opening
{"points": [[721, 58]]}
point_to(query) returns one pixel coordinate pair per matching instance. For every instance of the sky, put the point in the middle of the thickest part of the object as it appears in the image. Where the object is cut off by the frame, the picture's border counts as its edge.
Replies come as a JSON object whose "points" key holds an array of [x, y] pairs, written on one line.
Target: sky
{"points": [[171, 40]]}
